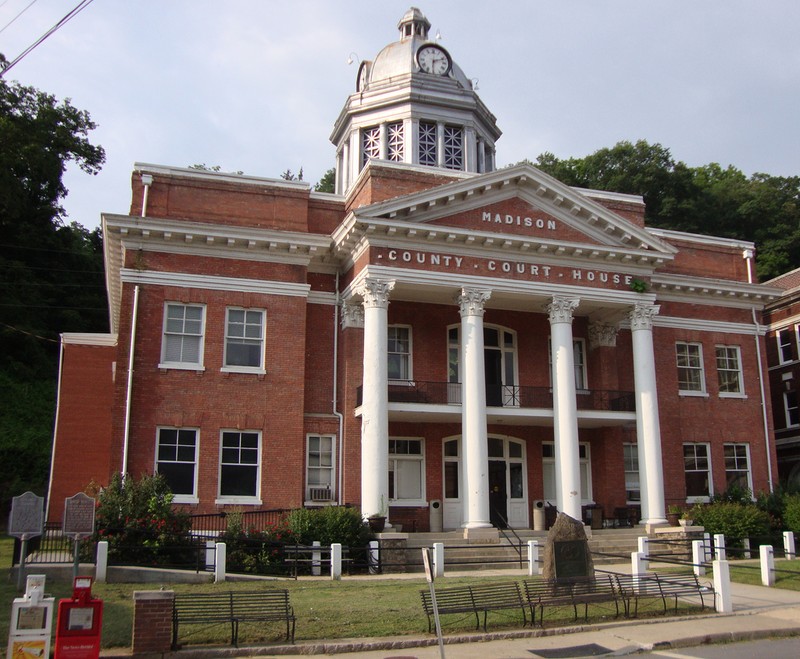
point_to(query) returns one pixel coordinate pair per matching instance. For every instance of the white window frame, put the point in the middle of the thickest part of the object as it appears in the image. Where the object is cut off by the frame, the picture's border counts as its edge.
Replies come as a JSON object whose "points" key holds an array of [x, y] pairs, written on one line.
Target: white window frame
{"points": [[370, 144], [451, 459], [784, 338], [191, 497], [427, 144], [790, 410], [737, 457], [419, 459], [630, 461], [733, 354], [697, 498], [259, 369], [697, 368], [168, 332], [585, 467], [403, 356], [578, 348], [453, 144], [255, 498], [395, 137], [331, 469]]}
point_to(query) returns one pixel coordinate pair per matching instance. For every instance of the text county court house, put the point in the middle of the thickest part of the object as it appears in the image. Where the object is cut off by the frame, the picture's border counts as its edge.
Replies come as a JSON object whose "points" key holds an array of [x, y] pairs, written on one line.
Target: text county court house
{"points": [[437, 330]]}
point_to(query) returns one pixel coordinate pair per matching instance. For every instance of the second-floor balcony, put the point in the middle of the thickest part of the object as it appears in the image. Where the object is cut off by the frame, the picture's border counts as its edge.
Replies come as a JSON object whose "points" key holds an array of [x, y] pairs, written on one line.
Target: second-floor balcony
{"points": [[441, 401]]}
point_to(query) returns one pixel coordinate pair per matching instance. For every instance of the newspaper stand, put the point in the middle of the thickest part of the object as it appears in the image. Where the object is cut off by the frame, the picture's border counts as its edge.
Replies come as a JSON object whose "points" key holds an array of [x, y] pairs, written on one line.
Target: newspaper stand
{"points": [[80, 621], [31, 622]]}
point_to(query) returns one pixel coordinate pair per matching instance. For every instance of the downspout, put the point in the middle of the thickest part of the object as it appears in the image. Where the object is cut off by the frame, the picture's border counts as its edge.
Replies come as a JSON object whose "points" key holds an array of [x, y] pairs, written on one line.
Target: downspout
{"points": [[129, 393], [147, 181], [337, 414], [55, 427], [748, 255]]}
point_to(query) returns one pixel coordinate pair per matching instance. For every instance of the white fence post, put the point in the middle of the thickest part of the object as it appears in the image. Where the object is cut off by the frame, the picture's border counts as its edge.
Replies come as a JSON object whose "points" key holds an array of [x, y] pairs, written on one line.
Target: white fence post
{"points": [[788, 545], [438, 559], [722, 586], [746, 545], [767, 557], [101, 562], [533, 558], [211, 553], [709, 548], [336, 561], [719, 547], [644, 546], [220, 562], [698, 557], [374, 556], [316, 559]]}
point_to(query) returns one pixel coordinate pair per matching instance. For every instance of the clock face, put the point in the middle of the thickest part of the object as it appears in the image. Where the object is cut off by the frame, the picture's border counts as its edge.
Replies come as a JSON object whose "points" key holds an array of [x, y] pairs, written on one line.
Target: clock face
{"points": [[433, 59], [361, 79]]}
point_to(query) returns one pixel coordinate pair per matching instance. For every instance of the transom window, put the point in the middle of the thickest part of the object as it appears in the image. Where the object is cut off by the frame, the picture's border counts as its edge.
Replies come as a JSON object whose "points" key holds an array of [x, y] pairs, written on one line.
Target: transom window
{"points": [[690, 367], [239, 465], [729, 370], [370, 144], [244, 340], [320, 468], [396, 141], [399, 352], [176, 461], [737, 466], [427, 143], [182, 344], [406, 471], [697, 471], [453, 147]]}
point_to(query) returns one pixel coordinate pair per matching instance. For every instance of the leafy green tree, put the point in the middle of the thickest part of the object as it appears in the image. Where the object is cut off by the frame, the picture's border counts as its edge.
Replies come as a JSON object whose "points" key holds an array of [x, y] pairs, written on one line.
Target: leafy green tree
{"points": [[288, 175], [328, 181]]}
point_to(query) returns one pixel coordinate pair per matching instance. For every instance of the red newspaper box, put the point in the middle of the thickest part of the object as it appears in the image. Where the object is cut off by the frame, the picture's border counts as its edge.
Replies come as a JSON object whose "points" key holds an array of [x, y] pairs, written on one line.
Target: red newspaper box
{"points": [[80, 621]]}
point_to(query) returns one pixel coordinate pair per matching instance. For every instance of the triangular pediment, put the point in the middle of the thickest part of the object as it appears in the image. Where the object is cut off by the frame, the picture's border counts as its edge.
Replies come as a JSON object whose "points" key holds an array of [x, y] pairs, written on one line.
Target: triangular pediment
{"points": [[518, 203]]}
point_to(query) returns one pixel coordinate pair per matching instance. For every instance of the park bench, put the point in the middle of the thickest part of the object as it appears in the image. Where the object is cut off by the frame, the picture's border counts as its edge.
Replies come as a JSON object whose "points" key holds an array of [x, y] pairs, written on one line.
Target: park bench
{"points": [[232, 608], [475, 599], [570, 592], [632, 588]]}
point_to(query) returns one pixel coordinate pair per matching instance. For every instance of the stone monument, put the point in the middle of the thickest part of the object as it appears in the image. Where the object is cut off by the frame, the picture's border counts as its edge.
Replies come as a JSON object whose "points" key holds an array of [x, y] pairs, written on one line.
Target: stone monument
{"points": [[566, 551]]}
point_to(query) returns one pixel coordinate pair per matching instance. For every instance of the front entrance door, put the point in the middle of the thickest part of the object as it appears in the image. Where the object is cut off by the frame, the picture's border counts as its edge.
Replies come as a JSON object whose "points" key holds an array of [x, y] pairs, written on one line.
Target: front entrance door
{"points": [[498, 502]]}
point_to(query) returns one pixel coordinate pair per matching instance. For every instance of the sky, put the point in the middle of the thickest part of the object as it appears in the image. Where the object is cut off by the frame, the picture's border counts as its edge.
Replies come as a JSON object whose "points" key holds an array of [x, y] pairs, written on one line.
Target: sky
{"points": [[255, 86]]}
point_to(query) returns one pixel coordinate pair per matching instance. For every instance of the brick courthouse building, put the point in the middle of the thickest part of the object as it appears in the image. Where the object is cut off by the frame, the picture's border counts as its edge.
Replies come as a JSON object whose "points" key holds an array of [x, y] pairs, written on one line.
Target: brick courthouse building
{"points": [[437, 330]]}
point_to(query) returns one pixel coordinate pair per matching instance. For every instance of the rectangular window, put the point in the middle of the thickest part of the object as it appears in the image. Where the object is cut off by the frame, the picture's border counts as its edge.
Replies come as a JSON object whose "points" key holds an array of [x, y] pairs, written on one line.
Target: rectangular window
{"points": [[737, 466], [370, 144], [399, 349], [244, 340], [785, 351], [549, 472], [406, 471], [320, 468], [729, 371], [182, 344], [176, 461], [453, 147], [396, 142], [451, 469], [239, 465], [579, 356], [791, 409], [690, 368], [697, 470], [427, 143], [631, 458]]}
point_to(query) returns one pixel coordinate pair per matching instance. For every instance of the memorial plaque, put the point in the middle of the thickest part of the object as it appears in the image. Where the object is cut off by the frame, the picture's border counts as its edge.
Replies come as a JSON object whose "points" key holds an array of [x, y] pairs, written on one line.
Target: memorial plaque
{"points": [[27, 516], [571, 559], [79, 515]]}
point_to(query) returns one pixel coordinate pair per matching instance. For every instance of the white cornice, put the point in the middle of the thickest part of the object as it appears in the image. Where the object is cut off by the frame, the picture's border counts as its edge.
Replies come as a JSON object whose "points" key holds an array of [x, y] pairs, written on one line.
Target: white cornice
{"points": [[184, 280], [715, 241], [321, 297], [716, 292], [706, 325], [220, 177], [88, 339]]}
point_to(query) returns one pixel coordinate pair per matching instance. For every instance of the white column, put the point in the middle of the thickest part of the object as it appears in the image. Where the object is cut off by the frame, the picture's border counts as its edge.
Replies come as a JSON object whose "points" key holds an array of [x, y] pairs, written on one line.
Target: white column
{"points": [[648, 430], [474, 439], [410, 140], [374, 403], [440, 144], [384, 141], [565, 411]]}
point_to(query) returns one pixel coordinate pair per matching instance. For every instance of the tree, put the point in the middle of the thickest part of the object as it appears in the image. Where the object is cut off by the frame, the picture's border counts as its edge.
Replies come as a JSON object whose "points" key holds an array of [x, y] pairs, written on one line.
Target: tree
{"points": [[328, 181], [288, 175]]}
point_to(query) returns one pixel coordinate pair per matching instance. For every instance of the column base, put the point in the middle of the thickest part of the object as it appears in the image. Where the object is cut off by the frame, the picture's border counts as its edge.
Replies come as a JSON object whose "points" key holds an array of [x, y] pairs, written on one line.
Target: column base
{"points": [[487, 535]]}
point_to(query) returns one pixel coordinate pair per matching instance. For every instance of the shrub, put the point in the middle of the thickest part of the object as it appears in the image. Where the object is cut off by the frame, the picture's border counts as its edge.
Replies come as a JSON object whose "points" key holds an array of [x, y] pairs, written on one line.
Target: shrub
{"points": [[328, 525], [735, 521], [791, 513], [257, 551]]}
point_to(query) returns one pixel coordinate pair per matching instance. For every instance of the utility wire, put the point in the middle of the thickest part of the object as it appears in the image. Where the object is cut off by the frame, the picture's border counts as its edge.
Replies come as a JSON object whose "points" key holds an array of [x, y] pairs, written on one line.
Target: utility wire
{"points": [[33, 2], [72, 14]]}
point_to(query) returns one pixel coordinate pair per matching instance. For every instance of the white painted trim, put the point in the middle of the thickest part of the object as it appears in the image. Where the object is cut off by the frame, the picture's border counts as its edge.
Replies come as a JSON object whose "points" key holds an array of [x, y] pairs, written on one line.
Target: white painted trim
{"points": [[702, 239], [186, 280], [321, 297], [704, 325], [89, 339], [228, 177]]}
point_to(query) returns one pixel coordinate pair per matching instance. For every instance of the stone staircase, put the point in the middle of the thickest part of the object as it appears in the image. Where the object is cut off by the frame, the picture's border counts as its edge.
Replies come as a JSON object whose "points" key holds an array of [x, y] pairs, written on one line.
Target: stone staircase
{"points": [[606, 545]]}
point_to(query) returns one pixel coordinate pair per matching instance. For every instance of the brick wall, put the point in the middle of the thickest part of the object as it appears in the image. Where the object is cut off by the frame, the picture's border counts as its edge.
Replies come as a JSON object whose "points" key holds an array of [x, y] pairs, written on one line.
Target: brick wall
{"points": [[152, 621]]}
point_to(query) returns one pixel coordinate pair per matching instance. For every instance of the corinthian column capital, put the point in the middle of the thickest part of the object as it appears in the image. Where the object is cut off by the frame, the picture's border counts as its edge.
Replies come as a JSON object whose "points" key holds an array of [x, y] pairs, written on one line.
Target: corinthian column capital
{"points": [[602, 335], [561, 308], [375, 292], [472, 300], [642, 315]]}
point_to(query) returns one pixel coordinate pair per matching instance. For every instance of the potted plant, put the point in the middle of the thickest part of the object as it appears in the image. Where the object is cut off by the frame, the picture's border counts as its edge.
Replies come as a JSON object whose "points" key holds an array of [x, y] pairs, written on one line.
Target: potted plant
{"points": [[673, 515], [686, 518], [377, 521]]}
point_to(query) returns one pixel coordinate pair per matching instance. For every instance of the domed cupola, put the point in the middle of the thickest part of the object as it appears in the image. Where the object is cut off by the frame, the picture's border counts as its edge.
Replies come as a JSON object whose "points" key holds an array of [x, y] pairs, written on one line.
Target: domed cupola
{"points": [[413, 104]]}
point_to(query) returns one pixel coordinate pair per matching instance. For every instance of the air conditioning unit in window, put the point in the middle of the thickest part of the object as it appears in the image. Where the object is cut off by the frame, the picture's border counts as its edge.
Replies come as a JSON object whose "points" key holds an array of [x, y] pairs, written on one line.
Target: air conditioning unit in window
{"points": [[320, 493]]}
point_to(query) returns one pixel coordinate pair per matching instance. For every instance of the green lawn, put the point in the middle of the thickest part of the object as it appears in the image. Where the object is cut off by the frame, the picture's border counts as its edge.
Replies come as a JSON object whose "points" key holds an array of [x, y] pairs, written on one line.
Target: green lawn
{"points": [[351, 608]]}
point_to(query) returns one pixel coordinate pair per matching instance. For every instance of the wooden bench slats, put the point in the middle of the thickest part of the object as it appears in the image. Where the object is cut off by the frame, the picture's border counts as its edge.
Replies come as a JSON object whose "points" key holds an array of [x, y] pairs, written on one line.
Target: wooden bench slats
{"points": [[476, 599], [542, 593], [654, 586]]}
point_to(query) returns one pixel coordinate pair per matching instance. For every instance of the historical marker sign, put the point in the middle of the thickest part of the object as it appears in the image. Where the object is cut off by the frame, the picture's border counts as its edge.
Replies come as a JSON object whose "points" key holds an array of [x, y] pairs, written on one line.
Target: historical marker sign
{"points": [[571, 559], [27, 516], [79, 515]]}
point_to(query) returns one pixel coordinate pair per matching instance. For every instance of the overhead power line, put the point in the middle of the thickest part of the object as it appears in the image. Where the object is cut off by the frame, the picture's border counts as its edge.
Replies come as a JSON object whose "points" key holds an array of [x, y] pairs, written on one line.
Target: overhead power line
{"points": [[70, 15], [33, 2]]}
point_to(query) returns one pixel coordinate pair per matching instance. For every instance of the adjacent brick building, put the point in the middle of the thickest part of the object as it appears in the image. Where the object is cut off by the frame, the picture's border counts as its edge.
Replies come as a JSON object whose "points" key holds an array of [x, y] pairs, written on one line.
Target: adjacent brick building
{"points": [[436, 330]]}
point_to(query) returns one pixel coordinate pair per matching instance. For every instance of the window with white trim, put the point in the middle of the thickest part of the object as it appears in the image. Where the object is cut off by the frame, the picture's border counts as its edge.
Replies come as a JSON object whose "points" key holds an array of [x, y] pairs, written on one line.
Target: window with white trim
{"points": [[549, 472], [182, 343], [691, 378], [176, 461], [427, 143], [406, 471], [785, 337], [370, 144], [453, 147], [791, 409], [399, 352], [320, 467], [631, 459], [452, 469], [578, 359], [244, 340], [240, 465], [395, 138], [697, 471], [453, 365], [737, 466], [729, 371]]}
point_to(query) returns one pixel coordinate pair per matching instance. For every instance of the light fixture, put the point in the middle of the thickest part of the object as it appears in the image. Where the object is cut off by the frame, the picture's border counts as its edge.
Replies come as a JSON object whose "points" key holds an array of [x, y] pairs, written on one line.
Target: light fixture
{"points": [[474, 82], [438, 36], [351, 56]]}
